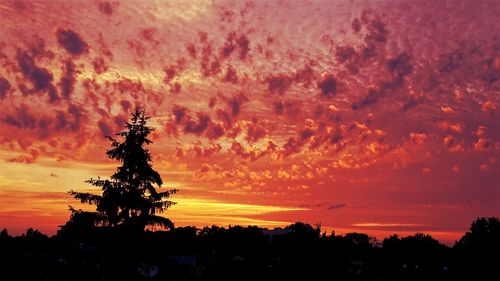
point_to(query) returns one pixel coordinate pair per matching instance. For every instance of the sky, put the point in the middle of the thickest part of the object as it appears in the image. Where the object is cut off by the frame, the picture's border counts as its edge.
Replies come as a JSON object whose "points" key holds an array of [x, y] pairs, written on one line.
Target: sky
{"points": [[363, 116]]}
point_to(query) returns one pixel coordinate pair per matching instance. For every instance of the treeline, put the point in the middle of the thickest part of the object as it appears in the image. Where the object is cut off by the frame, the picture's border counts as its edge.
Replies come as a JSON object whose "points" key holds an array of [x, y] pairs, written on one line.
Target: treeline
{"points": [[297, 252]]}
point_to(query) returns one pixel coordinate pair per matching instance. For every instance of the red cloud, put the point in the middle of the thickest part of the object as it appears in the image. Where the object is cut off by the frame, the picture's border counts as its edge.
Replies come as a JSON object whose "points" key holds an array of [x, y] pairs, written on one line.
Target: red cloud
{"points": [[483, 144]]}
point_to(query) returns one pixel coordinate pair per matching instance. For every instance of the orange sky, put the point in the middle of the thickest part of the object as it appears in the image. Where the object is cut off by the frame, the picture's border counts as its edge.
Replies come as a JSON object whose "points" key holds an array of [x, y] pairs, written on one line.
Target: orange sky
{"points": [[376, 117]]}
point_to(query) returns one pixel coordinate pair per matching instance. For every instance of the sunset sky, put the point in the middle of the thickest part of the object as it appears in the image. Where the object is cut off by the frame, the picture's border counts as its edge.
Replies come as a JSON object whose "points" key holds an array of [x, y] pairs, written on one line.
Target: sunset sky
{"points": [[370, 116]]}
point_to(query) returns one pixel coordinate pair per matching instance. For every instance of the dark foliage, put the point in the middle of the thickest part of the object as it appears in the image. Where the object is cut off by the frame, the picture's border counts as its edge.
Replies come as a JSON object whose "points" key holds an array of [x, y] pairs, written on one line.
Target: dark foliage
{"points": [[478, 251], [297, 252]]}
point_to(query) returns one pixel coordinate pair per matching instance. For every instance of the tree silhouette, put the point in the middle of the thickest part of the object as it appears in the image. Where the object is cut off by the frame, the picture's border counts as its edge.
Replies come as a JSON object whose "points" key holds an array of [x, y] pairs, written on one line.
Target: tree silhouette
{"points": [[478, 251], [129, 199]]}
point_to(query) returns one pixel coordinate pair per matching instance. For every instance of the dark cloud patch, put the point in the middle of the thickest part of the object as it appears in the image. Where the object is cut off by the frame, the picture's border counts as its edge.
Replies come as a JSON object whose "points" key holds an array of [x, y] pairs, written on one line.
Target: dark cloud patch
{"points": [[103, 47], [126, 85], [175, 88], [305, 134], [400, 66], [68, 79], [212, 102], [215, 131], [252, 153], [229, 45], [287, 107], [279, 107], [279, 83], [313, 205], [60, 120], [291, 146], [492, 70], [107, 7], [204, 151], [254, 132], [356, 25], [238, 149], [469, 61], [137, 47], [212, 69], [231, 75], [305, 76], [180, 113], [202, 36], [209, 63], [71, 42], [269, 39], [5, 87], [372, 97], [23, 6], [375, 36], [197, 126], [345, 54], [76, 117], [368, 52], [40, 78], [173, 70], [22, 118], [149, 34], [233, 132], [410, 103], [100, 65], [26, 158], [336, 136], [171, 129], [377, 30], [105, 128], [351, 58], [429, 81], [226, 14], [453, 60], [235, 103], [38, 49], [244, 46], [387, 86], [70, 120], [126, 105], [328, 86], [225, 117], [336, 206], [170, 72], [120, 121], [191, 49]]}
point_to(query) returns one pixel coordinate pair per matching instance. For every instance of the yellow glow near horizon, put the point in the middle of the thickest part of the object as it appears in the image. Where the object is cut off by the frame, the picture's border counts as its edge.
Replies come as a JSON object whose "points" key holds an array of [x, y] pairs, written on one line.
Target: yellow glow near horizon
{"points": [[201, 212]]}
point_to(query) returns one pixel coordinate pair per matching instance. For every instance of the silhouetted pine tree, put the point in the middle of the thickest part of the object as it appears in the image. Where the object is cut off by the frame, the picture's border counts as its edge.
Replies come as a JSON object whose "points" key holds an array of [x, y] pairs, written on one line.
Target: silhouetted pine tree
{"points": [[129, 198]]}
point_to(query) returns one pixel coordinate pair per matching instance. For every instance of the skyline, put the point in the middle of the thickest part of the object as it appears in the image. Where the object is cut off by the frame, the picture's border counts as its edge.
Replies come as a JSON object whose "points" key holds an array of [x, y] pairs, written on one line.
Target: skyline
{"points": [[376, 117]]}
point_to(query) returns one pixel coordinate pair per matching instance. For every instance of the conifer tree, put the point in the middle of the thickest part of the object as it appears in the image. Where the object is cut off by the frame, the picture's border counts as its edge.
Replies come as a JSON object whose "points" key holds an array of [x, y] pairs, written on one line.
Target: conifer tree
{"points": [[130, 198]]}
